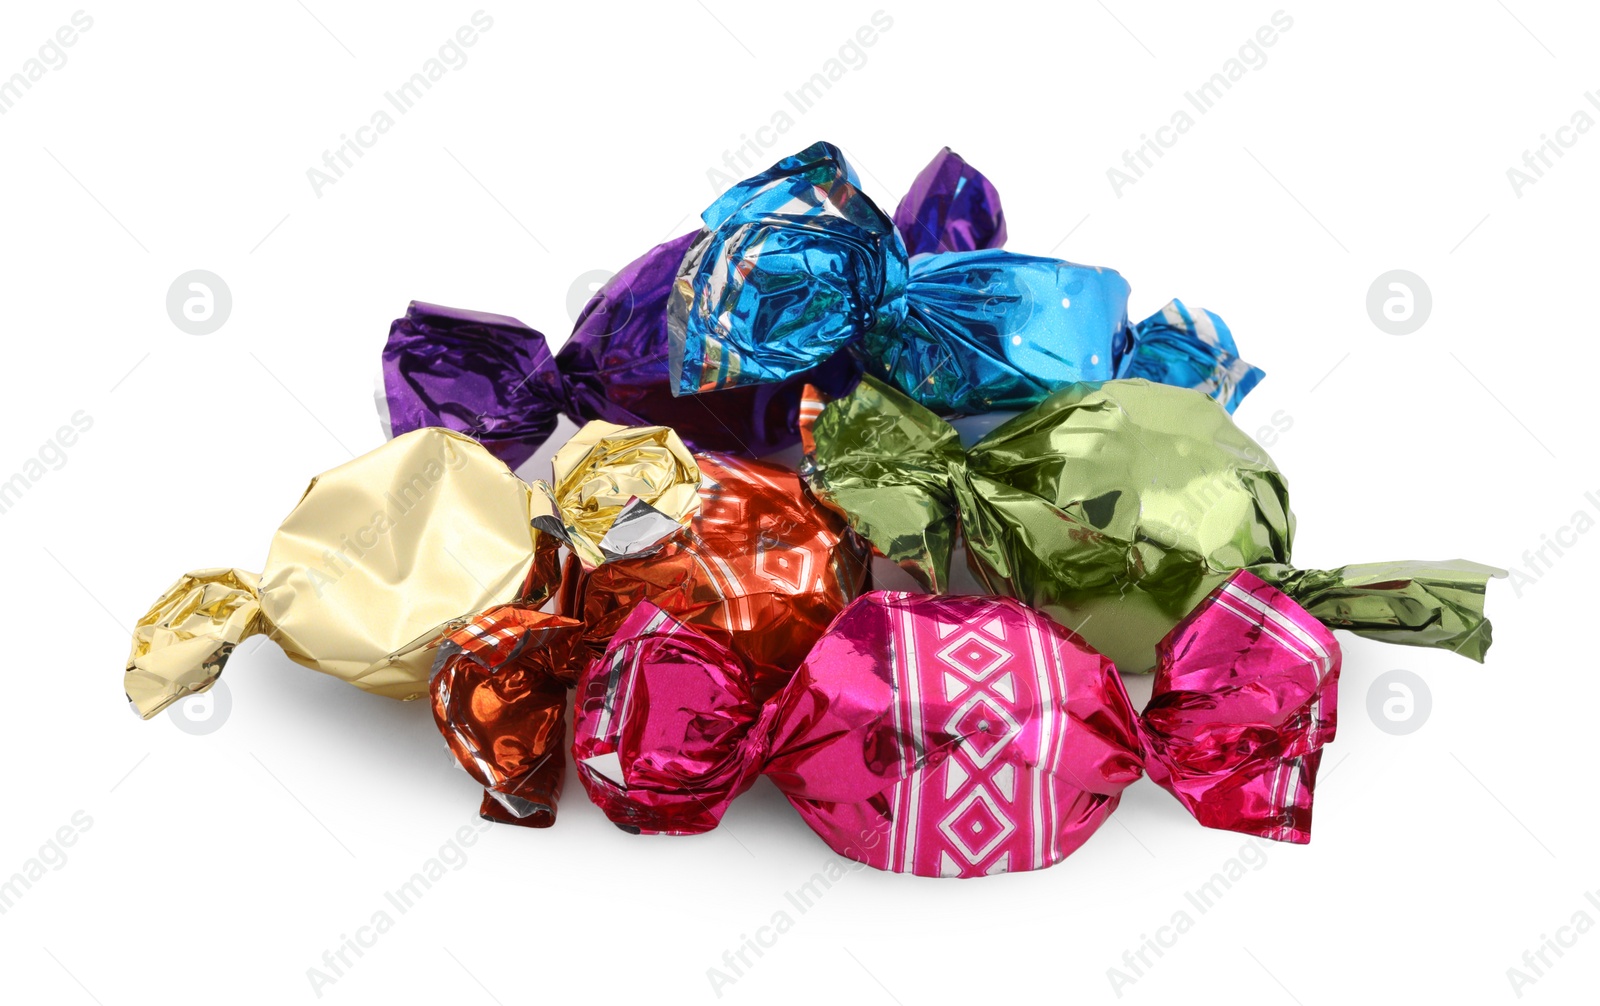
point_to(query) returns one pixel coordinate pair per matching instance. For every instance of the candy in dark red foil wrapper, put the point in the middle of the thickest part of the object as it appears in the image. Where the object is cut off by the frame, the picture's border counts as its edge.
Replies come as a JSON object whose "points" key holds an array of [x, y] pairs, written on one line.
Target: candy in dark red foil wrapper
{"points": [[762, 567], [965, 736], [493, 378], [499, 679]]}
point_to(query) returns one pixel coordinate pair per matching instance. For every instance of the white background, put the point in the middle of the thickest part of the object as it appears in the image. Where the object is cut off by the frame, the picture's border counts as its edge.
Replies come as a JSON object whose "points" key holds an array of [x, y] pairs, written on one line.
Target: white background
{"points": [[1377, 136]]}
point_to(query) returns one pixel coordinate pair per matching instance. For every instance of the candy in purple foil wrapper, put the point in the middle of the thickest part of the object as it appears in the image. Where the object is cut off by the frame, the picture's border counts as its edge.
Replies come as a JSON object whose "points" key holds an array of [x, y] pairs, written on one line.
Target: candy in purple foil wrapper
{"points": [[485, 375], [951, 206], [614, 367], [965, 736], [493, 378]]}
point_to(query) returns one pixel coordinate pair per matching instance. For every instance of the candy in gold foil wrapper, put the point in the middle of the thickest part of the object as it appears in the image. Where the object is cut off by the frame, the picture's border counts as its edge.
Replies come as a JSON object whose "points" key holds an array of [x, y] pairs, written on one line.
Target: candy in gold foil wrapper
{"points": [[603, 468], [388, 553]]}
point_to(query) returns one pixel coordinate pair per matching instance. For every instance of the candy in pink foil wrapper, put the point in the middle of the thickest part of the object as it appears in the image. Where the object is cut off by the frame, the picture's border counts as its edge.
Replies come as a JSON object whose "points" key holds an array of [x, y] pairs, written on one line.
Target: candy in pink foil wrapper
{"points": [[965, 736]]}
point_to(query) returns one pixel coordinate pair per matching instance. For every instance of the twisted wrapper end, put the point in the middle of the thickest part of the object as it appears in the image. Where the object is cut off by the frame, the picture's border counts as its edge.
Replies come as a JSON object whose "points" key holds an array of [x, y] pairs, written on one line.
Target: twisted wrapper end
{"points": [[486, 375], [182, 643], [795, 264], [617, 490], [1189, 349], [499, 694], [1414, 603], [668, 731], [876, 446], [1245, 697], [965, 736]]}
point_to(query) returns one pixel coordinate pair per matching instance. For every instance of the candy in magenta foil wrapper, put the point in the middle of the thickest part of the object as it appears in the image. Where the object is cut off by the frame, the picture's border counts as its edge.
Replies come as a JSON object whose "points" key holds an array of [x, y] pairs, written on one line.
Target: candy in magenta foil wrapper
{"points": [[759, 565], [965, 736], [797, 264], [1114, 508], [493, 377]]}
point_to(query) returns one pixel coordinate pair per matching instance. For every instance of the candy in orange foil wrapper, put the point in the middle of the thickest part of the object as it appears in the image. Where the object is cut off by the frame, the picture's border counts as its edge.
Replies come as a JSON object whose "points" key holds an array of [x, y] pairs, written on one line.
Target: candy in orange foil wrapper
{"points": [[385, 556], [760, 566], [965, 736]]}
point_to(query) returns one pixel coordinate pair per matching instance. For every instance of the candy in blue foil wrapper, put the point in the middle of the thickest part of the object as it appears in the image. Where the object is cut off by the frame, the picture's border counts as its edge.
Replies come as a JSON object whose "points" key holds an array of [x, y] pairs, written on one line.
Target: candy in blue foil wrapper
{"points": [[614, 367], [797, 264], [493, 378]]}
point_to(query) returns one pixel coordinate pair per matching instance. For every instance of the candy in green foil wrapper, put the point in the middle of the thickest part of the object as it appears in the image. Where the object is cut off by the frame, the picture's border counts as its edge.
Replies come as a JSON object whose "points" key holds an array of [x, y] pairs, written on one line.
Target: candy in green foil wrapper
{"points": [[1115, 508]]}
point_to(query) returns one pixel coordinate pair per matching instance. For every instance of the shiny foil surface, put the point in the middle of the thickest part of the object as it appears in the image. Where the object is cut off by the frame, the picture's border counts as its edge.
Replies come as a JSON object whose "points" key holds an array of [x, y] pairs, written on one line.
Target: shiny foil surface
{"points": [[736, 547], [762, 567], [614, 367], [1114, 508], [380, 556], [499, 693], [391, 551], [950, 206], [485, 375], [493, 377], [604, 468], [797, 264], [965, 736]]}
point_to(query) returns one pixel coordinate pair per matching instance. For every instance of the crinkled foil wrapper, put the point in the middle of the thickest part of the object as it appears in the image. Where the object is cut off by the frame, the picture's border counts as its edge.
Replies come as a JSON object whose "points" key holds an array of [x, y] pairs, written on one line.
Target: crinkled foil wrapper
{"points": [[604, 468], [965, 736], [1114, 508], [388, 553], [493, 377], [797, 264], [758, 564], [762, 567]]}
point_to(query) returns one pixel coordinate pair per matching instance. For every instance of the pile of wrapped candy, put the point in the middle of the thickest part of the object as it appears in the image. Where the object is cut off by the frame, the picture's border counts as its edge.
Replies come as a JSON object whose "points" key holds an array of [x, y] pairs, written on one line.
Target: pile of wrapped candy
{"points": [[712, 613]]}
